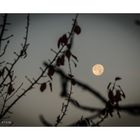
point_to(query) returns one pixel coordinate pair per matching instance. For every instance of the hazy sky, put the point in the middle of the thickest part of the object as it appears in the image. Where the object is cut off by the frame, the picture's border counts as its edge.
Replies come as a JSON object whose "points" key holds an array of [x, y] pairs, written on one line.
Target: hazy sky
{"points": [[109, 39]]}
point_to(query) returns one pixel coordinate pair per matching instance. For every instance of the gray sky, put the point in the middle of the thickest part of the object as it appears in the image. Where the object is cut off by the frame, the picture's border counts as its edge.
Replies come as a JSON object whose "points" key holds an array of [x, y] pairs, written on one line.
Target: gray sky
{"points": [[109, 39]]}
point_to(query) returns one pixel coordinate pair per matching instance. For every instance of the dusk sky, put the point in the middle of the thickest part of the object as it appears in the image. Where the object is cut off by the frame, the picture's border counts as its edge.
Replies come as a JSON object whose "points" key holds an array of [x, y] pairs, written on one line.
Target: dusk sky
{"points": [[112, 40]]}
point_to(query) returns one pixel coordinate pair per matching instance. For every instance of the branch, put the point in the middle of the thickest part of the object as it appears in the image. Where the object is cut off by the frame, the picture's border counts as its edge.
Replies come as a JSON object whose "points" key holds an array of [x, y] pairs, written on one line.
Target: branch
{"points": [[82, 107], [4, 50], [44, 122], [24, 48], [3, 28], [133, 109], [2, 34], [35, 80], [82, 85]]}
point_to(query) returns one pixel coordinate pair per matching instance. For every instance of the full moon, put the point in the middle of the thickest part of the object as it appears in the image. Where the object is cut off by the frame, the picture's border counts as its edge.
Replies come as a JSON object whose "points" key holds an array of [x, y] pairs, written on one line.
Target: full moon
{"points": [[98, 69]]}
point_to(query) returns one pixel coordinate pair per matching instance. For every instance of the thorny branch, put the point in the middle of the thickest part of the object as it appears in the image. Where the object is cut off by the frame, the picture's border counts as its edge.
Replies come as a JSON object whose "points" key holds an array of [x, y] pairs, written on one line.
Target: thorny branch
{"points": [[7, 73], [101, 113], [2, 38], [82, 85], [65, 44], [75, 30], [64, 88], [62, 42]]}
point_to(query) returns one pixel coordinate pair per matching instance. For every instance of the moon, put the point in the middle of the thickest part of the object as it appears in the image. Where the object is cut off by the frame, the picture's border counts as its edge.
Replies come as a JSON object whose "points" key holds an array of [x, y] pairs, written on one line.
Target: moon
{"points": [[98, 69]]}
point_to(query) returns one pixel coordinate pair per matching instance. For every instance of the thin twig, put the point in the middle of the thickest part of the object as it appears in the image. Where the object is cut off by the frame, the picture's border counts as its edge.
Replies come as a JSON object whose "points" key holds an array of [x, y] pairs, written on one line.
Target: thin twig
{"points": [[3, 28], [23, 49], [14, 92], [82, 85], [68, 101]]}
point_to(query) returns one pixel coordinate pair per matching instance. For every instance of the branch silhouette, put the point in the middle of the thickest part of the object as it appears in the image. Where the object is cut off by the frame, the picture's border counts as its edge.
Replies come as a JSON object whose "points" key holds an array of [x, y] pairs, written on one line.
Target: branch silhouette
{"points": [[133, 109], [2, 38], [62, 42], [7, 73], [11, 95]]}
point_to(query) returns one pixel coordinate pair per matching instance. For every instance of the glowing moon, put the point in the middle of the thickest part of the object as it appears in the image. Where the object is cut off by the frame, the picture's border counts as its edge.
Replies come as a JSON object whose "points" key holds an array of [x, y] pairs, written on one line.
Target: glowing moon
{"points": [[98, 69]]}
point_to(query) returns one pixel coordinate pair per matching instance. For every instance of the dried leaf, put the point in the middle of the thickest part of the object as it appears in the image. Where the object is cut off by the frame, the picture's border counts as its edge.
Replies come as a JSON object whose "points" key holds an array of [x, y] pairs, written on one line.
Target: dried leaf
{"points": [[10, 89], [2, 72], [68, 54], [117, 97], [73, 82], [62, 60], [51, 71], [123, 95], [70, 75], [110, 109], [50, 84], [59, 42], [58, 118], [118, 78], [69, 46], [77, 29], [103, 112], [43, 87], [82, 123], [62, 40], [58, 63], [111, 96]]}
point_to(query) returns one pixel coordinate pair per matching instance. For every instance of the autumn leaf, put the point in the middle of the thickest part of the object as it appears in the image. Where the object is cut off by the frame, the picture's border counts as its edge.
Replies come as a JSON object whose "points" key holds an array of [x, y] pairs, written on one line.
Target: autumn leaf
{"points": [[62, 40], [118, 78], [50, 84], [103, 112], [70, 75], [123, 95], [69, 46], [58, 118], [73, 82], [59, 42], [10, 89], [51, 71], [68, 54], [43, 87], [110, 108], [84, 122], [62, 60], [111, 96], [117, 97], [77, 29], [2, 72], [58, 63]]}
